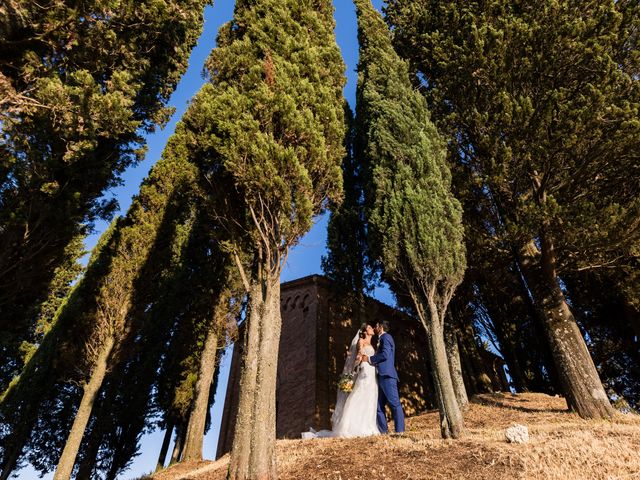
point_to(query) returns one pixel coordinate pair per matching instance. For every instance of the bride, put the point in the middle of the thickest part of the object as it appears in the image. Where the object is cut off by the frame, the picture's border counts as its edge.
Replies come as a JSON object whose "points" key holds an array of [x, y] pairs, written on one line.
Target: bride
{"points": [[355, 412]]}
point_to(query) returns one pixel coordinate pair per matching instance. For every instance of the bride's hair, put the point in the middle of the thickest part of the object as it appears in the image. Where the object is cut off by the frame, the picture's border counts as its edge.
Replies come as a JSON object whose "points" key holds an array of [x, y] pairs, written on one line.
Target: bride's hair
{"points": [[363, 330]]}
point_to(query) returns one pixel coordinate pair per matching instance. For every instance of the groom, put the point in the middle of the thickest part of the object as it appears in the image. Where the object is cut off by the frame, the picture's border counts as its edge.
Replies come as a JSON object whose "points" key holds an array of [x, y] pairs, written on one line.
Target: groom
{"points": [[384, 361]]}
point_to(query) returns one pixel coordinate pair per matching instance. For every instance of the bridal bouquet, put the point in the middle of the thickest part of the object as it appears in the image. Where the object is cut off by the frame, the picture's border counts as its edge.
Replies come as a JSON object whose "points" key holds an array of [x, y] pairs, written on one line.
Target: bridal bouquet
{"points": [[346, 381]]}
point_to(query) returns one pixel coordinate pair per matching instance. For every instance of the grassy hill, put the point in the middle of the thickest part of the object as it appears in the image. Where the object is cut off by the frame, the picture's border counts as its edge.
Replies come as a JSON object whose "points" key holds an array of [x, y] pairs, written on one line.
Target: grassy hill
{"points": [[562, 446]]}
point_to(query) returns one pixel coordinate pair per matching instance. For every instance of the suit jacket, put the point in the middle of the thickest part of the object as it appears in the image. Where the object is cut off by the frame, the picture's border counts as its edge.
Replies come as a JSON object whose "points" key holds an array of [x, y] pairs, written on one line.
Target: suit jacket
{"points": [[384, 359]]}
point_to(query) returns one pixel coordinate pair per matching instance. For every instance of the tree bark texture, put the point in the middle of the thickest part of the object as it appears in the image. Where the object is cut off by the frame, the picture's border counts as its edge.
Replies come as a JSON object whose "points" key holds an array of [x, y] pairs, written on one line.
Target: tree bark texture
{"points": [[578, 375], [86, 467], [451, 421], [198, 415], [513, 364], [241, 448], [538, 382], [165, 446], [70, 451], [455, 367], [95, 436], [253, 452]]}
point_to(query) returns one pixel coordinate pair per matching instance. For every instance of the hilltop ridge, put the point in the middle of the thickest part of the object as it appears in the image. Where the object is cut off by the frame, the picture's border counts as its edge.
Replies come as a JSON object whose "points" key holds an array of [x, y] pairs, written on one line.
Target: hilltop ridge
{"points": [[561, 446]]}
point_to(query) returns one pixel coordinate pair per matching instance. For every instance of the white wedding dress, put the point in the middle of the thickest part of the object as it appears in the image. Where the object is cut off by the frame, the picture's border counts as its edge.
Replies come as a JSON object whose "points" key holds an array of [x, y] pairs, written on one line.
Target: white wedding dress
{"points": [[355, 413]]}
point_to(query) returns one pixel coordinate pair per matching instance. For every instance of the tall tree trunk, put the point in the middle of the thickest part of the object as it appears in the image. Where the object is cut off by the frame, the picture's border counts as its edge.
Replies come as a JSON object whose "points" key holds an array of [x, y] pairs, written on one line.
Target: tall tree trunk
{"points": [[165, 446], [537, 382], [517, 323], [241, 448], [468, 371], [509, 330], [451, 421], [578, 375], [181, 431], [68, 457], [263, 458], [505, 310], [198, 416], [513, 364], [254, 457], [85, 469], [90, 453], [455, 367], [507, 348]]}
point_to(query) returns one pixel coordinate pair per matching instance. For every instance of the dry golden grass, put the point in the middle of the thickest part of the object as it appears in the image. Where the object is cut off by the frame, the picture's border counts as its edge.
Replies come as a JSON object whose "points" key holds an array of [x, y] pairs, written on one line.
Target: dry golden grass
{"points": [[562, 446]]}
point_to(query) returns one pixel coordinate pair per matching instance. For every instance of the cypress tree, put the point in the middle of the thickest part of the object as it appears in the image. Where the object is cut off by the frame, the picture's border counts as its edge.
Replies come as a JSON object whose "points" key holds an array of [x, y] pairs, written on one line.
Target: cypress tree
{"points": [[123, 407], [24, 400], [107, 314], [179, 367], [415, 223], [347, 261], [43, 314], [182, 253], [223, 313], [212, 291], [80, 85], [494, 286], [543, 105], [270, 139]]}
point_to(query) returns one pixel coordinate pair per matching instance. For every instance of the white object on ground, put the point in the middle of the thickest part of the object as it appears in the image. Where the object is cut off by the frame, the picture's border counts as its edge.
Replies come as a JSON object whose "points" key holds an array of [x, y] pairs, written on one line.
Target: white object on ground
{"points": [[517, 433]]}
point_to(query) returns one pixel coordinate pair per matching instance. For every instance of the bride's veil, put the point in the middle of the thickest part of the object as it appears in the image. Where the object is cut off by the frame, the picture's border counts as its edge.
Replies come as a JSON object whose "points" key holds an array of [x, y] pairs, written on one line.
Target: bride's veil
{"points": [[348, 367]]}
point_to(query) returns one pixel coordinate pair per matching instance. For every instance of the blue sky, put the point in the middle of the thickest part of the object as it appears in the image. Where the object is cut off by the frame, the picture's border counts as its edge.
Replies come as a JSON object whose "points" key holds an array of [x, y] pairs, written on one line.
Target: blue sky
{"points": [[303, 260]]}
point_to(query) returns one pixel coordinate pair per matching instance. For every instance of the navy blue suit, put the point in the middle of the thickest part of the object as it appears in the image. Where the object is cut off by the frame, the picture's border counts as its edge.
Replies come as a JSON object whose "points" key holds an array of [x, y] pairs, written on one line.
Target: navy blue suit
{"points": [[384, 361]]}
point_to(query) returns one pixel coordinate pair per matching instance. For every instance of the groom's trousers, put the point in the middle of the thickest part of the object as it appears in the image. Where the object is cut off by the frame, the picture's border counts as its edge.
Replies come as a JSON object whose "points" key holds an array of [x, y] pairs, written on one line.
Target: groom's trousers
{"points": [[388, 394]]}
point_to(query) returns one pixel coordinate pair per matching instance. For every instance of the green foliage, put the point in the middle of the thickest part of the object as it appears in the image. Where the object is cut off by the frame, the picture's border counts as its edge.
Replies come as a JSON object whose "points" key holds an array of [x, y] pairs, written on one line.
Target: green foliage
{"points": [[64, 276], [127, 408], [415, 226], [80, 84], [543, 105], [347, 262], [272, 118], [36, 396], [204, 279], [175, 304], [268, 136], [43, 315], [414, 221], [101, 305]]}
